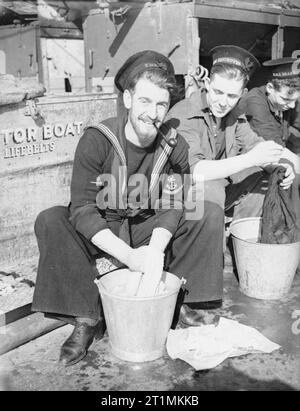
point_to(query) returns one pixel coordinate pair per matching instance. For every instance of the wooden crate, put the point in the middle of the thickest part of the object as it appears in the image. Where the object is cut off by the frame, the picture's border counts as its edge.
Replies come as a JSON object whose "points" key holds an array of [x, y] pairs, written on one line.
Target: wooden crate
{"points": [[36, 162]]}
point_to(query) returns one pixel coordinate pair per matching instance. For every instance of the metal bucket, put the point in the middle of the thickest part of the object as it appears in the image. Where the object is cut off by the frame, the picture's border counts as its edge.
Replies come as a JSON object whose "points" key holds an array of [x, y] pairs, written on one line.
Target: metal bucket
{"points": [[266, 271], [137, 326]]}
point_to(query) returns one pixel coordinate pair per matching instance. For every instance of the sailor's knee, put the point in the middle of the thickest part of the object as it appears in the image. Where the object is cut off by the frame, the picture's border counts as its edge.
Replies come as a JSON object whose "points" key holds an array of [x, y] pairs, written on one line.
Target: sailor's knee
{"points": [[214, 216], [213, 211], [50, 218], [212, 219]]}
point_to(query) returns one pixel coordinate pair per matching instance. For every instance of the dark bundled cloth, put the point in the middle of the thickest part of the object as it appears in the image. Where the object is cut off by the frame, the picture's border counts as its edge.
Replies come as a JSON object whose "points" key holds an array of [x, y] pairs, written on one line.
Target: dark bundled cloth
{"points": [[279, 224]]}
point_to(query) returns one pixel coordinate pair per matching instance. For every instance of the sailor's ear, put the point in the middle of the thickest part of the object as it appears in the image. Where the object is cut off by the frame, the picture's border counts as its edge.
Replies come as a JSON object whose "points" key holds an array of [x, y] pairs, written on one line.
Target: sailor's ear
{"points": [[127, 99], [269, 87], [207, 83], [245, 91]]}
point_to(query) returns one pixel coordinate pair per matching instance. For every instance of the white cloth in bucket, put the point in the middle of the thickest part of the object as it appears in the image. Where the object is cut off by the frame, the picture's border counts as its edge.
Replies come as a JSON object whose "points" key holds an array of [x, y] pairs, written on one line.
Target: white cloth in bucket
{"points": [[207, 346]]}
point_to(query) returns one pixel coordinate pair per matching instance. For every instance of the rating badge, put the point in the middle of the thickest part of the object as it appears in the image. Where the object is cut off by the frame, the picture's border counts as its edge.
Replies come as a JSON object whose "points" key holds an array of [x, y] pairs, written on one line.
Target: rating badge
{"points": [[172, 186]]}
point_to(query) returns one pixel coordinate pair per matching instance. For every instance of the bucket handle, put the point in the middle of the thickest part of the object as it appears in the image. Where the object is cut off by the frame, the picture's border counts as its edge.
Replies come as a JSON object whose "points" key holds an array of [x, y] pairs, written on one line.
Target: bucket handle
{"points": [[99, 276]]}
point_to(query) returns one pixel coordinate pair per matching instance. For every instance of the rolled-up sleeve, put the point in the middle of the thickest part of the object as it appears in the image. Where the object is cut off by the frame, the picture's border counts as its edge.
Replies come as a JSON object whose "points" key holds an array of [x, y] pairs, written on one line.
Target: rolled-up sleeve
{"points": [[191, 133], [261, 119], [89, 157], [191, 129], [245, 137]]}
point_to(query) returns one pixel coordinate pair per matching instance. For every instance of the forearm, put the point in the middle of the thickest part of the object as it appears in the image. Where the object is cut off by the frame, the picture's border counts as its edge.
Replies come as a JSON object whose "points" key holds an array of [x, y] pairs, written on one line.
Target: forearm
{"points": [[216, 169], [294, 131], [160, 238], [108, 242]]}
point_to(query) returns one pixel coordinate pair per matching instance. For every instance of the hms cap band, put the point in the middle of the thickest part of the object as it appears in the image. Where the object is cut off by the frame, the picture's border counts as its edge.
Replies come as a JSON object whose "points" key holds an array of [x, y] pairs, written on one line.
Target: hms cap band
{"points": [[286, 67], [236, 56], [140, 62]]}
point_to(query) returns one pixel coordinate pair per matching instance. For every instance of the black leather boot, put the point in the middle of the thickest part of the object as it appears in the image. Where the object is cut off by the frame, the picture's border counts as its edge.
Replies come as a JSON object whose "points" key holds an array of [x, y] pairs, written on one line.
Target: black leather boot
{"points": [[76, 346]]}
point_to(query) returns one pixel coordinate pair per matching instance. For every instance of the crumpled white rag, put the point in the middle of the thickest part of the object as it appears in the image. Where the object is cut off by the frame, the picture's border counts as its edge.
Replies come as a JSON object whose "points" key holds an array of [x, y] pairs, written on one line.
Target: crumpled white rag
{"points": [[207, 346]]}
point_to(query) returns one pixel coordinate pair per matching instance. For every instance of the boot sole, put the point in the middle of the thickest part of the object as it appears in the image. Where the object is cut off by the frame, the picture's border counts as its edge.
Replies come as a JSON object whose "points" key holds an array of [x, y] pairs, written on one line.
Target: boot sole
{"points": [[75, 361]]}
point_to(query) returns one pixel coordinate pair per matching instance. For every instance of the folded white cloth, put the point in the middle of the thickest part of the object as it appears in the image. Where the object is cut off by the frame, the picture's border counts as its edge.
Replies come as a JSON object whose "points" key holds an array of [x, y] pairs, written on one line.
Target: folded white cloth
{"points": [[207, 346]]}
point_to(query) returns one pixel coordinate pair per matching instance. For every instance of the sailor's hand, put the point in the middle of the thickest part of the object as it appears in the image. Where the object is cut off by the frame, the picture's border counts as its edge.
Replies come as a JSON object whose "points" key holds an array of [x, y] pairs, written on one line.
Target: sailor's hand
{"points": [[136, 259], [289, 176], [149, 260], [152, 272], [266, 152]]}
